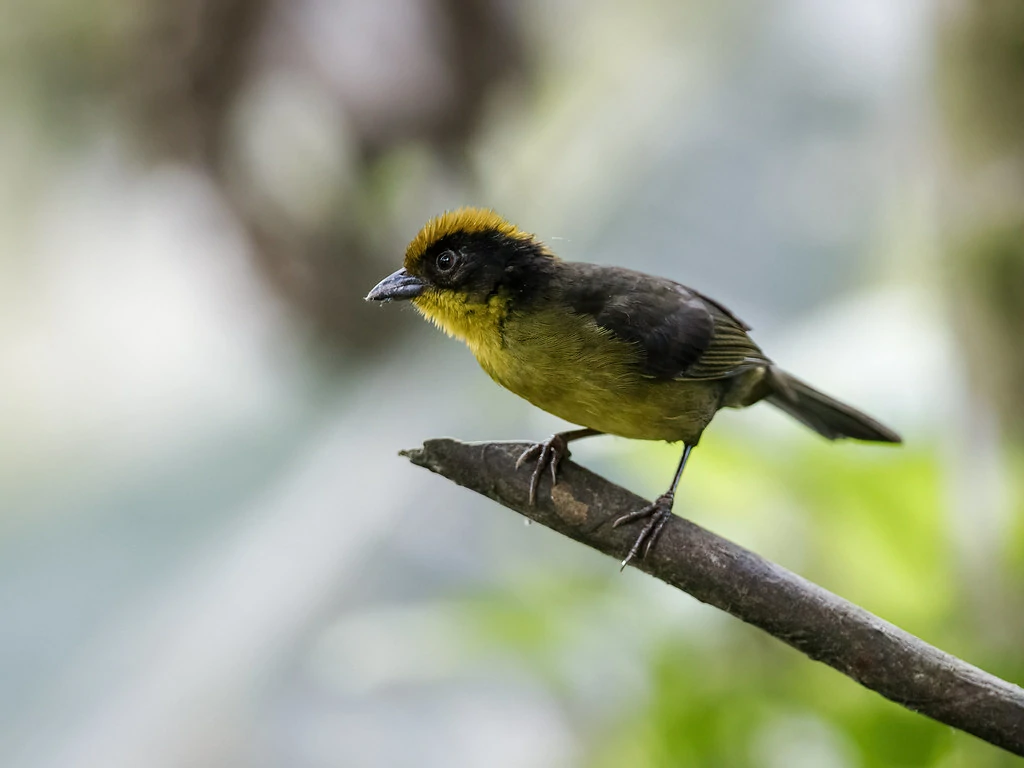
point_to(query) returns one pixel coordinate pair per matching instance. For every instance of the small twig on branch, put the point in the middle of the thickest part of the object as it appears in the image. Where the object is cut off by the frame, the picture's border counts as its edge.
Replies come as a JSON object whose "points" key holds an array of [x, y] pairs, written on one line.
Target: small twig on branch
{"points": [[878, 655]]}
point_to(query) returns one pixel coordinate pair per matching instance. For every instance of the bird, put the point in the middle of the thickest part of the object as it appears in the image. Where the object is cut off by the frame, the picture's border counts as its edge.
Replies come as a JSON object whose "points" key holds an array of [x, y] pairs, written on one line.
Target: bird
{"points": [[613, 350]]}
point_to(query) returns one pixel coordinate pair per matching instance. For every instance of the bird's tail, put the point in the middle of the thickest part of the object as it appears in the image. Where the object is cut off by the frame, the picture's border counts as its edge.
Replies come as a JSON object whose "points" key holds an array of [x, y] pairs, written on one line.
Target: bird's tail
{"points": [[826, 416]]}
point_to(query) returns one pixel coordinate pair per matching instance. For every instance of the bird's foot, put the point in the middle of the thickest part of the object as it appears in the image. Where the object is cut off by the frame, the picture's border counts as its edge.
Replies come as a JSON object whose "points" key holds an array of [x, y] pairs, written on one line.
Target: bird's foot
{"points": [[549, 455], [659, 513]]}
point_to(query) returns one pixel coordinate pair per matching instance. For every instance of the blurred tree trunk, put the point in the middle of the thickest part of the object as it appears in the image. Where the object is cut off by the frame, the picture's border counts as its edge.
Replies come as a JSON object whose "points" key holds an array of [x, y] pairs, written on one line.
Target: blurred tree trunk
{"points": [[981, 82], [190, 65]]}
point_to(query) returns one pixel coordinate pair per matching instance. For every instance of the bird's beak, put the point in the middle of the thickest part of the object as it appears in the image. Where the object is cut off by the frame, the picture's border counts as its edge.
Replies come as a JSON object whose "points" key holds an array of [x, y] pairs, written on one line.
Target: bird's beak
{"points": [[400, 285]]}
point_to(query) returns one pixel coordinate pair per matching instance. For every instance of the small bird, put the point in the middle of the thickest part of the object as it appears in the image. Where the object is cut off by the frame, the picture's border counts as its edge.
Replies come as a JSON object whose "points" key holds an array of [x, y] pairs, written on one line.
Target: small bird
{"points": [[615, 351]]}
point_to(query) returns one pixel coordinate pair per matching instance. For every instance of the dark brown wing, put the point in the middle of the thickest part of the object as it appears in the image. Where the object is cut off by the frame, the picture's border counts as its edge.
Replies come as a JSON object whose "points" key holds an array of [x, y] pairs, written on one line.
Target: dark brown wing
{"points": [[683, 334]]}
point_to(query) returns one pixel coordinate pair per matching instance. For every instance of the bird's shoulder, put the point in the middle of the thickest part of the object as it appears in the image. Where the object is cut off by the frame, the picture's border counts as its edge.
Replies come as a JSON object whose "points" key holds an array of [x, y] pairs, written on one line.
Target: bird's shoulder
{"points": [[681, 332]]}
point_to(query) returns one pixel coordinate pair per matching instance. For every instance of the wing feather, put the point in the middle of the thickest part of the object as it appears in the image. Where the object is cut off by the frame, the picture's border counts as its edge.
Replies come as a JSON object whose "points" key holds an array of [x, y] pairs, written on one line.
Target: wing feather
{"points": [[681, 333]]}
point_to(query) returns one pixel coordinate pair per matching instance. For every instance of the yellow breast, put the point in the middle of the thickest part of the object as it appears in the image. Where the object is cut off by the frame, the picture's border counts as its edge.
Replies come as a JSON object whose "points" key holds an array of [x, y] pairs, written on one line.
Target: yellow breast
{"points": [[567, 365], [477, 324]]}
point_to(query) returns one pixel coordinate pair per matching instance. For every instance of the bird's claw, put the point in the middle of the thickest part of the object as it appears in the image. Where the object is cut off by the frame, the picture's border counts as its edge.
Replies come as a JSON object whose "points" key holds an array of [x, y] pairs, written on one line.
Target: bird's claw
{"points": [[549, 455], [659, 513]]}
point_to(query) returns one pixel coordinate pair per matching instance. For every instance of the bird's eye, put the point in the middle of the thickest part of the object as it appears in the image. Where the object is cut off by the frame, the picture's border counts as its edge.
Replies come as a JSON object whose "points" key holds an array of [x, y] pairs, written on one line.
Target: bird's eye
{"points": [[445, 261]]}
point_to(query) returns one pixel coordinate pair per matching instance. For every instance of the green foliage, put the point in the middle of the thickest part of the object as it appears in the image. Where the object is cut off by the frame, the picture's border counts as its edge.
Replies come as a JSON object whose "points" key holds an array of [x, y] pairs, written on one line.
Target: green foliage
{"points": [[867, 523]]}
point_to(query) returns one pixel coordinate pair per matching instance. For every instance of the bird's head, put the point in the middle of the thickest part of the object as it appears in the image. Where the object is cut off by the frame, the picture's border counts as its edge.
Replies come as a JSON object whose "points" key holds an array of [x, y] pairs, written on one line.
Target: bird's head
{"points": [[464, 267]]}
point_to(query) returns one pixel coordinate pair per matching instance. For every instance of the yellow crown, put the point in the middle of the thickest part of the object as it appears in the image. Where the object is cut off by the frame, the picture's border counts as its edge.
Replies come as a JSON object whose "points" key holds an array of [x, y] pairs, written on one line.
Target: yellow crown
{"points": [[466, 220]]}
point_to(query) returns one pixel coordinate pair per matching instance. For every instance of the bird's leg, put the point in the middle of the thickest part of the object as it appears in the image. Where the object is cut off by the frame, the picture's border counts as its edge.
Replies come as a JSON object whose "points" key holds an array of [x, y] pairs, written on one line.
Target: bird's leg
{"points": [[549, 455], [659, 513]]}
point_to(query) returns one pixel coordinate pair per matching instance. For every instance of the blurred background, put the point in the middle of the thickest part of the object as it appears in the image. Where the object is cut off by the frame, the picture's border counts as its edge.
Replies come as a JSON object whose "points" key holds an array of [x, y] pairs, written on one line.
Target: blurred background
{"points": [[210, 552]]}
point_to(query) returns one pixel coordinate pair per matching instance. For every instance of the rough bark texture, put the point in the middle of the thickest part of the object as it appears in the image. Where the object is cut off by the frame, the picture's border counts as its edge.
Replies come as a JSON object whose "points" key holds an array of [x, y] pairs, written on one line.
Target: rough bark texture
{"points": [[878, 655]]}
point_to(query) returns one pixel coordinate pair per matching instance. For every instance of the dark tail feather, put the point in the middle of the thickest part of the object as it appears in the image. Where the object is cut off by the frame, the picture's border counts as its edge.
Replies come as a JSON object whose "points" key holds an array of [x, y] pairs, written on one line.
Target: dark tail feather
{"points": [[826, 416]]}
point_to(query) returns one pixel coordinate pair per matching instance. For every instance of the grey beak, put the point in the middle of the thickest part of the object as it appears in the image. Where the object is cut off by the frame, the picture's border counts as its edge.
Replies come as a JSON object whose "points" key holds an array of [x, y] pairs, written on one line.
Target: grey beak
{"points": [[400, 285]]}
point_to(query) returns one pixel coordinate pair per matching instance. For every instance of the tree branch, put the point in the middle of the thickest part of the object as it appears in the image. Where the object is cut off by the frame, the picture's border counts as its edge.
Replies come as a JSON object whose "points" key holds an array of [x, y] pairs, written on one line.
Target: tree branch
{"points": [[878, 655]]}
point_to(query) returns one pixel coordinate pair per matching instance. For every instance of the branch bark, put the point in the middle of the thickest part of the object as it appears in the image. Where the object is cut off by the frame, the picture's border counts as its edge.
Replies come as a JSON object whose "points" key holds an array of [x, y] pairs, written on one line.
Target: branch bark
{"points": [[875, 653]]}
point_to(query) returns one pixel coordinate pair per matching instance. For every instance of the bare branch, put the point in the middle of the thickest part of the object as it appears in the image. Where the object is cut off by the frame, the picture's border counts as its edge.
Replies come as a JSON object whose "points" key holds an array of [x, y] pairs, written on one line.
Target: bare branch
{"points": [[878, 655]]}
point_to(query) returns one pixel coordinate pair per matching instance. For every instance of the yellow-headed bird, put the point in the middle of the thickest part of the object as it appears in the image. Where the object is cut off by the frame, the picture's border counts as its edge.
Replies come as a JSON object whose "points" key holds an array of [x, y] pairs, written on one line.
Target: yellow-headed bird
{"points": [[615, 351]]}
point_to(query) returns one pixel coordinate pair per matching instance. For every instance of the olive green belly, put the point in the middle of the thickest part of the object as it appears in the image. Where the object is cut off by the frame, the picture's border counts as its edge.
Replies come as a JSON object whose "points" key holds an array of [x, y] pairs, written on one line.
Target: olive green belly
{"points": [[646, 410], [601, 387]]}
